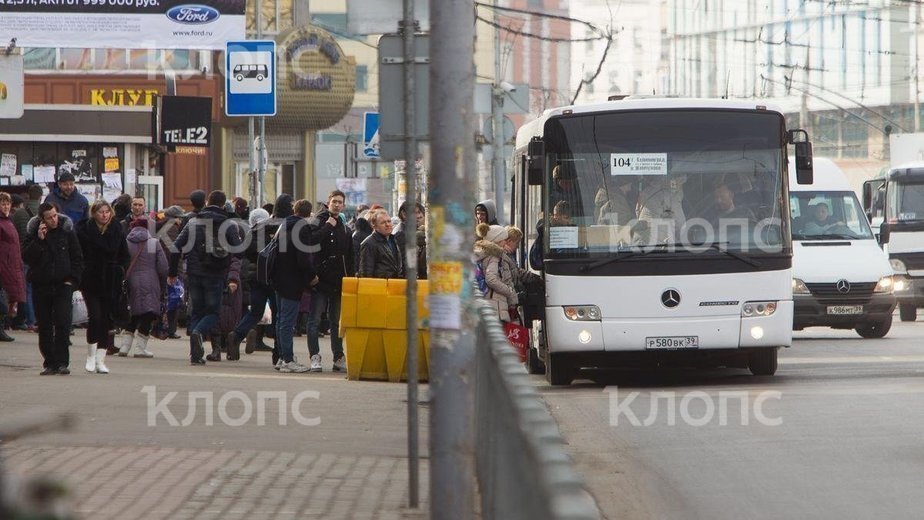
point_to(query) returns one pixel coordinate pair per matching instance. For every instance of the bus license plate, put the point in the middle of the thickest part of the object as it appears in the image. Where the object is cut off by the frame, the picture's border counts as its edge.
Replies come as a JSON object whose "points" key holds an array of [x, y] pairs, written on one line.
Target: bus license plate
{"points": [[672, 342], [845, 309]]}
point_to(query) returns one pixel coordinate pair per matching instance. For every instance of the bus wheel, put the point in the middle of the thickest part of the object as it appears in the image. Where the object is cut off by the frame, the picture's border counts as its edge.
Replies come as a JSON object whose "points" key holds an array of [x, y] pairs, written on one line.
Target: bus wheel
{"points": [[875, 330], [239, 77], [908, 312], [763, 361], [558, 369]]}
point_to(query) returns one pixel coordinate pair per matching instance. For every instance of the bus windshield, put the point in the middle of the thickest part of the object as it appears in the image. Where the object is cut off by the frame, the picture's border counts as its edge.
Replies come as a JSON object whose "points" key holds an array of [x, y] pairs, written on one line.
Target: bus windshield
{"points": [[664, 181]]}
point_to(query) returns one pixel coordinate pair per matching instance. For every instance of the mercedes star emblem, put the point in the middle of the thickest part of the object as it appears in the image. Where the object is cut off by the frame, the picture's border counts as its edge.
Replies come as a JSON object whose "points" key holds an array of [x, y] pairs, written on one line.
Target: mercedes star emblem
{"points": [[670, 298], [843, 286]]}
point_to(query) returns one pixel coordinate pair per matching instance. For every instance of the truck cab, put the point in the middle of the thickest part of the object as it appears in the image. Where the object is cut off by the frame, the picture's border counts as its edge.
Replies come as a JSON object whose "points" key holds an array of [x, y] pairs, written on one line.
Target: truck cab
{"points": [[841, 277], [895, 201]]}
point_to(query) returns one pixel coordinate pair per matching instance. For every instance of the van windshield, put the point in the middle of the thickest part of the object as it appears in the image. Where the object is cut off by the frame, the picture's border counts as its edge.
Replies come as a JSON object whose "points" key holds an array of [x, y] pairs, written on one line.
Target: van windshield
{"points": [[827, 215]]}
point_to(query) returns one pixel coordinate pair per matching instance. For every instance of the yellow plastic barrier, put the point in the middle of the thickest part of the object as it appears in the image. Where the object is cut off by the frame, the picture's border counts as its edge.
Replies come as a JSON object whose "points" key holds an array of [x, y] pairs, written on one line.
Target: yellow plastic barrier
{"points": [[373, 324]]}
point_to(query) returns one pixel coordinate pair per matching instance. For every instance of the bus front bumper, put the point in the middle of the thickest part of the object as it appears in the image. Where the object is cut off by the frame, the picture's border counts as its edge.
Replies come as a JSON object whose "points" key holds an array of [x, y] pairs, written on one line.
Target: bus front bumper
{"points": [[669, 333]]}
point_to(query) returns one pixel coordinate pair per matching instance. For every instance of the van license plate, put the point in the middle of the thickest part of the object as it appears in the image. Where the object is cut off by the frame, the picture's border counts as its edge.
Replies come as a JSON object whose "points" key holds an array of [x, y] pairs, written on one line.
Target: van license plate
{"points": [[845, 309], [672, 342]]}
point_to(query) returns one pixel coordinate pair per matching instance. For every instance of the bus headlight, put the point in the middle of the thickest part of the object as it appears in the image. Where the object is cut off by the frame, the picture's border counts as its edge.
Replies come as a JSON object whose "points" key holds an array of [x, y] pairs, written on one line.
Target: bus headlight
{"points": [[898, 266], [885, 285], [900, 283], [798, 287], [583, 313], [752, 309]]}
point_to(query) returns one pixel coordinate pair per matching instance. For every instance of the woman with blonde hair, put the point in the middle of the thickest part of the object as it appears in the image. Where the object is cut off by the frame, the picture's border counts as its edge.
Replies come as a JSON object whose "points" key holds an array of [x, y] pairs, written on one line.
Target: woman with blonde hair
{"points": [[105, 260], [489, 250]]}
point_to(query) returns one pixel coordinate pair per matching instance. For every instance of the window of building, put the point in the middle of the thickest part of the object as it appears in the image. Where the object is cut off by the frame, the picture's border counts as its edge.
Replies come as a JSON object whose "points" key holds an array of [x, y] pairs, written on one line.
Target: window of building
{"points": [[362, 78], [334, 22]]}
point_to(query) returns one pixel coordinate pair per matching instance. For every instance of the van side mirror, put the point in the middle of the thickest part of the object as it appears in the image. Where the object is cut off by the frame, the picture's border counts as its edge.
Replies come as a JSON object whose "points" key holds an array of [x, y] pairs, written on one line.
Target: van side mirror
{"points": [[884, 231], [535, 161], [804, 165]]}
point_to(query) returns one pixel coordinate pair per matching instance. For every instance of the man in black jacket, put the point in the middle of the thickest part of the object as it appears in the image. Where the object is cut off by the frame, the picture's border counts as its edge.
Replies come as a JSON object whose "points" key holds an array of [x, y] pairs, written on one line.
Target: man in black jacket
{"points": [[294, 274], [258, 237], [55, 265], [208, 241], [333, 262], [379, 254]]}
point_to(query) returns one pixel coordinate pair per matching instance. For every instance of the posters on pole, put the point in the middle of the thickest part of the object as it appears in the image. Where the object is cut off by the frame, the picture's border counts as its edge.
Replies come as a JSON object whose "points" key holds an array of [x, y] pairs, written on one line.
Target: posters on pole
{"points": [[354, 189], [7, 165], [124, 24]]}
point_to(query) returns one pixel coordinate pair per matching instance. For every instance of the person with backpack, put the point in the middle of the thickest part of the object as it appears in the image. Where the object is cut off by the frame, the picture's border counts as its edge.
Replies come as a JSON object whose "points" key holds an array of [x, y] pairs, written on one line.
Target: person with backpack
{"points": [[489, 253], [261, 233], [207, 243], [293, 273]]}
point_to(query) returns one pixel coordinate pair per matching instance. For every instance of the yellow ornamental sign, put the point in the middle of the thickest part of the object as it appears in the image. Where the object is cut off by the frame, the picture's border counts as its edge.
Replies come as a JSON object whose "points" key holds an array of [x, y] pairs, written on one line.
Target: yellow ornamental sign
{"points": [[317, 81]]}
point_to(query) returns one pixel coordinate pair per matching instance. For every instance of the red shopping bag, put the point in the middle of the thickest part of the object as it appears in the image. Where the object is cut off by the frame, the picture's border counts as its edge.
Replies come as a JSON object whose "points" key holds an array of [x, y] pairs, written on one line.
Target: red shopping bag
{"points": [[518, 337]]}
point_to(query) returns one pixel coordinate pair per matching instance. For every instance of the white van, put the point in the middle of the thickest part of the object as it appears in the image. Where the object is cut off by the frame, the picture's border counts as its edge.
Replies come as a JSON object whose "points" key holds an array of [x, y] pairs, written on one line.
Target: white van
{"points": [[841, 277]]}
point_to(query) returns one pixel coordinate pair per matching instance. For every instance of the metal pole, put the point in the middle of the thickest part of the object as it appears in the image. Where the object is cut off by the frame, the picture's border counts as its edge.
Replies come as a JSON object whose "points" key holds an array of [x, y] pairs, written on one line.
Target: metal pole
{"points": [[252, 173], [261, 167], [452, 320], [497, 114], [917, 75], [410, 226]]}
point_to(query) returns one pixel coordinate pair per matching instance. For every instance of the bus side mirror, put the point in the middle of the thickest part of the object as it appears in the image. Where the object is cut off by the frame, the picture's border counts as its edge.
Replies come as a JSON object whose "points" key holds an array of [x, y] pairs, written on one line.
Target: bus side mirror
{"points": [[535, 161], [804, 168], [884, 232], [868, 197]]}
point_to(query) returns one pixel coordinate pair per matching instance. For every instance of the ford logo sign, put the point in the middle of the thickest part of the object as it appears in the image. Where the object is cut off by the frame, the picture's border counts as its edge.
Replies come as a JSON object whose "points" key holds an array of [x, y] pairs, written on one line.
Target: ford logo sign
{"points": [[193, 14]]}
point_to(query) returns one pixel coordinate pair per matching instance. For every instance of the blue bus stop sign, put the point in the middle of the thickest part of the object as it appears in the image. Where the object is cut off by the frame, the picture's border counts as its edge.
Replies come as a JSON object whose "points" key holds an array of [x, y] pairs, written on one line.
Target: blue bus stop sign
{"points": [[250, 78]]}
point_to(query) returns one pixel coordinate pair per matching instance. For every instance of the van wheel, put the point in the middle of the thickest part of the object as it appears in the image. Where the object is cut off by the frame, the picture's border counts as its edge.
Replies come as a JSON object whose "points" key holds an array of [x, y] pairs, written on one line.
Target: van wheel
{"points": [[875, 330], [763, 362], [239, 77], [259, 77], [908, 312], [558, 369]]}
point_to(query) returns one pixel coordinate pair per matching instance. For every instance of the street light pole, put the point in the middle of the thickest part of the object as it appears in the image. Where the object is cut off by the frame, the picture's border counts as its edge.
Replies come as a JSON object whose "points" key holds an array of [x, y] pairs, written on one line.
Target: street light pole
{"points": [[452, 323], [497, 115]]}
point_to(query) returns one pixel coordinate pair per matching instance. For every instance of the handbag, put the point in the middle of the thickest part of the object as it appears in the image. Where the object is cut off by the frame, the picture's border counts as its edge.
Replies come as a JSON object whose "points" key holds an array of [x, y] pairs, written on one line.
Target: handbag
{"points": [[518, 337], [122, 310], [161, 328]]}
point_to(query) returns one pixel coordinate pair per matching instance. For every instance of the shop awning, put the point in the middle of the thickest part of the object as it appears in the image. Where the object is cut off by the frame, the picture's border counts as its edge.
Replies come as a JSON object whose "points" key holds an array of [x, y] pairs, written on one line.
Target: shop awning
{"points": [[79, 124]]}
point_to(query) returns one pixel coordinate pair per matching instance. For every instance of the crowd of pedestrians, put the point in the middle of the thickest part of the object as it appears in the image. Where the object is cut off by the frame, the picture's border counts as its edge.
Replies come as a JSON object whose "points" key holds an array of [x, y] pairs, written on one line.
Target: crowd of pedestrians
{"points": [[138, 272]]}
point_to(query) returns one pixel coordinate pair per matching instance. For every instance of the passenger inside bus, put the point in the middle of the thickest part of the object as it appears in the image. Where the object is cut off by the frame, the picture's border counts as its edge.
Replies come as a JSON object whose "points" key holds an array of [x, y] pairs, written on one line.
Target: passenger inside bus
{"points": [[616, 203]]}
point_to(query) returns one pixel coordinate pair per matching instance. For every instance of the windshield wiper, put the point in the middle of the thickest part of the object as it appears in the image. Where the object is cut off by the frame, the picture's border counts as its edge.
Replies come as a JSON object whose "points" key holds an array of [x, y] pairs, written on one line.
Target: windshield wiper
{"points": [[599, 263], [826, 236], [749, 261]]}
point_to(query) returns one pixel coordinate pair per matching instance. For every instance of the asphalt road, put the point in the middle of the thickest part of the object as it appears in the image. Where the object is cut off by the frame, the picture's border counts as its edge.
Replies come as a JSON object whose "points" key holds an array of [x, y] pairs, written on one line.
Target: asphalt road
{"points": [[839, 434]]}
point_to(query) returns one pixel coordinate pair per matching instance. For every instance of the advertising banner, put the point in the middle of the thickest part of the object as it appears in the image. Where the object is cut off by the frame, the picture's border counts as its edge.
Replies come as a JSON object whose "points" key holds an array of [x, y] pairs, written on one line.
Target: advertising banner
{"points": [[183, 121], [124, 24]]}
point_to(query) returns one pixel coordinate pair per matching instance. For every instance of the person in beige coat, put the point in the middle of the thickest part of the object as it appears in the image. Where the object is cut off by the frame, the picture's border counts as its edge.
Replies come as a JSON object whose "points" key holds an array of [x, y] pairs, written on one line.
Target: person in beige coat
{"points": [[489, 250]]}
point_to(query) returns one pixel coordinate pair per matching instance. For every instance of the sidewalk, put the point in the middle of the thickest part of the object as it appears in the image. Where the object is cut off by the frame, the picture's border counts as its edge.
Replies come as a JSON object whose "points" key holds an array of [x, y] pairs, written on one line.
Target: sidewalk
{"points": [[219, 451]]}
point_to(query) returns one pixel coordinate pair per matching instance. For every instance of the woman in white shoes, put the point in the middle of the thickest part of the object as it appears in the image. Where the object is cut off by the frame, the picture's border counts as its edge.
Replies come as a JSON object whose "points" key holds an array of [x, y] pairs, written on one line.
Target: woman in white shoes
{"points": [[147, 281], [105, 259]]}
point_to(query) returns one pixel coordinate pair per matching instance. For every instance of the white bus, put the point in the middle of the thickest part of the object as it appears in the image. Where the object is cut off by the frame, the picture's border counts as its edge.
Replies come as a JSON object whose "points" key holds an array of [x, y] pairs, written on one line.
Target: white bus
{"points": [[657, 227]]}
